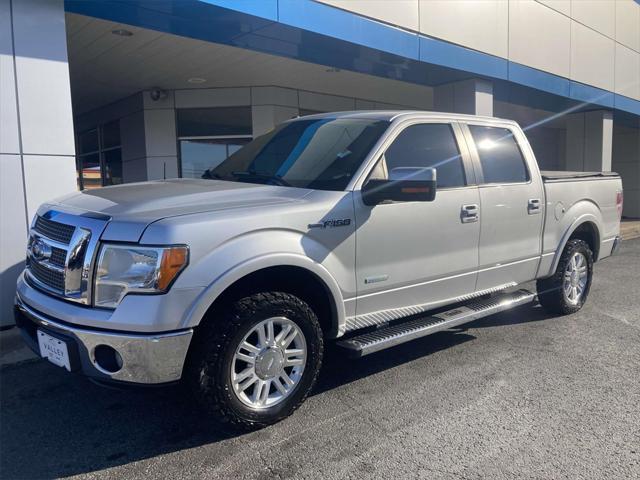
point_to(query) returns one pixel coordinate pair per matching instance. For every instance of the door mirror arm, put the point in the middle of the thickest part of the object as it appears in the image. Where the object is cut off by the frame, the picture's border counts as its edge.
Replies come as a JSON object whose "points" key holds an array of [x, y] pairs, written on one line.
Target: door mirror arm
{"points": [[403, 185]]}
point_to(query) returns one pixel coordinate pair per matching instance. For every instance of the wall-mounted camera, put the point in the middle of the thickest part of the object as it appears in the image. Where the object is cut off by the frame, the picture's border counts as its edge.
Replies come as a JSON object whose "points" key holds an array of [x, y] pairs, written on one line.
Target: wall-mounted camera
{"points": [[157, 94]]}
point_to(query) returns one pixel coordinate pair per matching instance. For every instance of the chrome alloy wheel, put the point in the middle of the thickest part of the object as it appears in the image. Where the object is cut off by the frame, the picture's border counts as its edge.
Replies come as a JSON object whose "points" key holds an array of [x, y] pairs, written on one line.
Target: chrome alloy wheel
{"points": [[575, 278], [269, 362]]}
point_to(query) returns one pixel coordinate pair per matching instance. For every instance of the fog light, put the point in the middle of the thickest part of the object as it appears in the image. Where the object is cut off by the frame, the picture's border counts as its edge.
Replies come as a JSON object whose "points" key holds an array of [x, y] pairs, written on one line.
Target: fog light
{"points": [[107, 358]]}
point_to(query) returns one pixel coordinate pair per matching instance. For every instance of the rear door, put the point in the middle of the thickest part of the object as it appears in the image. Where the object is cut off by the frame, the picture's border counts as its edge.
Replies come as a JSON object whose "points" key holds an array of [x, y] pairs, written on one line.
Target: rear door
{"points": [[511, 204], [413, 255]]}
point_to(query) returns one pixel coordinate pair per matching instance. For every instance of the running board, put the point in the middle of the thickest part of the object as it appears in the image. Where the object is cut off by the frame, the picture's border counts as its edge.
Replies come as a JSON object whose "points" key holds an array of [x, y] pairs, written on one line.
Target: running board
{"points": [[399, 333]]}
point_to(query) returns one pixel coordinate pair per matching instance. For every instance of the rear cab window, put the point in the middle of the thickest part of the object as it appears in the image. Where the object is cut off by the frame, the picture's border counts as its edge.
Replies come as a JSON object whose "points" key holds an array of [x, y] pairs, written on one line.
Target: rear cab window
{"points": [[500, 156]]}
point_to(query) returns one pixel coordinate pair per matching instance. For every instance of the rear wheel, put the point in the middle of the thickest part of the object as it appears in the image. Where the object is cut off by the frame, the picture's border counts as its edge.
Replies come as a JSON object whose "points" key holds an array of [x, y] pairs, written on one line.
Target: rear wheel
{"points": [[258, 362], [567, 290]]}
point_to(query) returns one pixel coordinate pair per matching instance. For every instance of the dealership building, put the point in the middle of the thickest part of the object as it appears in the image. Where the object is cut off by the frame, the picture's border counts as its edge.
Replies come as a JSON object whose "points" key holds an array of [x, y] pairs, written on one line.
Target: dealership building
{"points": [[96, 93]]}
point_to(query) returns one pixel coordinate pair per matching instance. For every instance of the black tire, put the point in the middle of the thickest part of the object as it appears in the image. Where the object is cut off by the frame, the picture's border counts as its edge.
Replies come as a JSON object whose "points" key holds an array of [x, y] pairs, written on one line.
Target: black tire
{"points": [[551, 293], [210, 362]]}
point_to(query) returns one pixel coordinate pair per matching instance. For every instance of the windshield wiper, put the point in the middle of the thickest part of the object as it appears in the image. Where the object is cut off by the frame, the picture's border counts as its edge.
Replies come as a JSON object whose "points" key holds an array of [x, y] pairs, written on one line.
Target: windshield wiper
{"points": [[277, 179]]}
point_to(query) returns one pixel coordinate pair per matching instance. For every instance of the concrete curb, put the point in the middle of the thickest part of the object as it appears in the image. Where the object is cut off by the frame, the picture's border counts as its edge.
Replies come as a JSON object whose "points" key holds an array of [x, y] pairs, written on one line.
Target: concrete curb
{"points": [[630, 229]]}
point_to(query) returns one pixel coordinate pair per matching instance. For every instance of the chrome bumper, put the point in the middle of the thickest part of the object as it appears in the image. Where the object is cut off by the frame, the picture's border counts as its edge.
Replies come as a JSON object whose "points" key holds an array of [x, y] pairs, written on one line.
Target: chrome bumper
{"points": [[145, 358]]}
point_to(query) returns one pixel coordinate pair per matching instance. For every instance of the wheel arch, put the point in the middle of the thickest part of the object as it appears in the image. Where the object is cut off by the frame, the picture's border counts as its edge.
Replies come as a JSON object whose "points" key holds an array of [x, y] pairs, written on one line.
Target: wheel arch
{"points": [[585, 227], [294, 274]]}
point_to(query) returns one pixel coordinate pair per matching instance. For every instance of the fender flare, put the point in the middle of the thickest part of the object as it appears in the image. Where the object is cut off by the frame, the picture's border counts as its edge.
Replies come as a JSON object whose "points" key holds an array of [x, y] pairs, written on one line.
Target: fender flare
{"points": [[194, 315], [577, 222]]}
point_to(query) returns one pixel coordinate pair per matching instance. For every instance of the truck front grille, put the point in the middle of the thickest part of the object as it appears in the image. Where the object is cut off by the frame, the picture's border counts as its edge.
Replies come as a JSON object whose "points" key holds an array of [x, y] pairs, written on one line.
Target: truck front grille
{"points": [[59, 232], [51, 278], [58, 257], [60, 253]]}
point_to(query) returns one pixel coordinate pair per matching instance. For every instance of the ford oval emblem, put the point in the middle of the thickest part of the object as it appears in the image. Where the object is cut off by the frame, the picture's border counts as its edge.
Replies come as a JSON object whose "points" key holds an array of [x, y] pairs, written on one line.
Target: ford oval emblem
{"points": [[40, 250]]}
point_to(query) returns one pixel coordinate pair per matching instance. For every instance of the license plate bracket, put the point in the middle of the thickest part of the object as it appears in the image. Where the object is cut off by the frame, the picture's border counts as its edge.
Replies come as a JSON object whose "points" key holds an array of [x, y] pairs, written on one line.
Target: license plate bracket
{"points": [[54, 349]]}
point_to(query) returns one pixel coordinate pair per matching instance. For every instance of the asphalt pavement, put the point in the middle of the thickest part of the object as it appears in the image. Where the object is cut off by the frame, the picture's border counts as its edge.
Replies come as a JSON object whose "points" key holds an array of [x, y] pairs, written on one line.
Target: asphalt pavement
{"points": [[521, 394]]}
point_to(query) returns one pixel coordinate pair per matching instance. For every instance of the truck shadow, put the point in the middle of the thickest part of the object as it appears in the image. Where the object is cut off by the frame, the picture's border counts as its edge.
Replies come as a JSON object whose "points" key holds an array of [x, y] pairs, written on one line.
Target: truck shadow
{"points": [[53, 424]]}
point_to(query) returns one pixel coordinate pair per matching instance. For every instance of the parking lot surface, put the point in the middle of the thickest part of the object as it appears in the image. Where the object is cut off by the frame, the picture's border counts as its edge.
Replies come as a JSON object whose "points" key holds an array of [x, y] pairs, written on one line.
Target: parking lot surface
{"points": [[519, 394]]}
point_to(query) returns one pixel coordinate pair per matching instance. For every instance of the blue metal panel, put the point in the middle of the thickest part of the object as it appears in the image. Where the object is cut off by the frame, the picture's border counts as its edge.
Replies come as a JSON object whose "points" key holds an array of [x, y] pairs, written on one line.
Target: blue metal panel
{"points": [[538, 79], [585, 93], [260, 8], [626, 104], [321, 34], [319, 18], [188, 18], [447, 54]]}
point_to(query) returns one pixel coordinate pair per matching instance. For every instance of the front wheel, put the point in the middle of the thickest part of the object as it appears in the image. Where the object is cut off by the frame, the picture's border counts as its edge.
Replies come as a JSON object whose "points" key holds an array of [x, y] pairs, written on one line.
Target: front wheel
{"points": [[567, 290], [258, 362]]}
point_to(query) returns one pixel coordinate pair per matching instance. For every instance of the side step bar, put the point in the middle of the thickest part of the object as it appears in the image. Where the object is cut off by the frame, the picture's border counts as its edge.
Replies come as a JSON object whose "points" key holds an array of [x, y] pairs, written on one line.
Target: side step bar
{"points": [[399, 333]]}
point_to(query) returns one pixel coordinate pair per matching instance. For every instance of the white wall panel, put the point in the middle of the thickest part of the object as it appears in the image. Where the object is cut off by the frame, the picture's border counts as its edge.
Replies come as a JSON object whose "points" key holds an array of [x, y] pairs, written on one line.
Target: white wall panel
{"points": [[9, 140], [13, 232], [562, 6], [539, 37], [160, 132], [47, 177], [159, 168], [627, 79], [274, 96], [478, 24], [42, 73], [403, 13], [266, 117], [592, 57], [325, 103], [597, 14], [212, 97], [628, 23]]}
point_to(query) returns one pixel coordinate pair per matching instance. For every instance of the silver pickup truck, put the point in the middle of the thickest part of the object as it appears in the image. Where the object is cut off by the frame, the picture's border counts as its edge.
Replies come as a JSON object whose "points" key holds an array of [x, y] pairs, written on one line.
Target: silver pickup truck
{"points": [[366, 229]]}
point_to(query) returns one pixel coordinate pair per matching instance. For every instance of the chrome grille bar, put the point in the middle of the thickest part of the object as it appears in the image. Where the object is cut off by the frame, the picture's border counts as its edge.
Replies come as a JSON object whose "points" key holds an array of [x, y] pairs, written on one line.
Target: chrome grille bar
{"points": [[56, 231]]}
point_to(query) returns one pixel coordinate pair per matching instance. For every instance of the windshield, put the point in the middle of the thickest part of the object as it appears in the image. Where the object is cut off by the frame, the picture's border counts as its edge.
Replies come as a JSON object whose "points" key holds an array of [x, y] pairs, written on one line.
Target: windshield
{"points": [[322, 154]]}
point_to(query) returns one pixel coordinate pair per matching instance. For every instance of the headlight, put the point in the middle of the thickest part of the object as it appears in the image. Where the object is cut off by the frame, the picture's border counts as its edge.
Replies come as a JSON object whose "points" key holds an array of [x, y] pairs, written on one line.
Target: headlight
{"points": [[129, 269]]}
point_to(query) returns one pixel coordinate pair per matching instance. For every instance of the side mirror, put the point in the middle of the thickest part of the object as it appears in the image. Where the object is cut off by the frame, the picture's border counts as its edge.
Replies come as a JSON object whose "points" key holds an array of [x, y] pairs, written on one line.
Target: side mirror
{"points": [[405, 184]]}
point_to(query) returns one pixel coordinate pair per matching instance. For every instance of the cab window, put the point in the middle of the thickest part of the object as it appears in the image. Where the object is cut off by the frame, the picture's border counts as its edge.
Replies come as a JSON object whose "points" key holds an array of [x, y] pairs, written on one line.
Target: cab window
{"points": [[429, 145], [500, 155]]}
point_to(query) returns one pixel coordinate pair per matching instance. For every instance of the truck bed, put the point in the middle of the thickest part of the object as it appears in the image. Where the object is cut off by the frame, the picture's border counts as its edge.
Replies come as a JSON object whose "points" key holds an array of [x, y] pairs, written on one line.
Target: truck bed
{"points": [[563, 176]]}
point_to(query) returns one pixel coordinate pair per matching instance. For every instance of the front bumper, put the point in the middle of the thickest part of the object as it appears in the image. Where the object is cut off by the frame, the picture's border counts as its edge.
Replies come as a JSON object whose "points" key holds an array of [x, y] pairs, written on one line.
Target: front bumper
{"points": [[145, 358]]}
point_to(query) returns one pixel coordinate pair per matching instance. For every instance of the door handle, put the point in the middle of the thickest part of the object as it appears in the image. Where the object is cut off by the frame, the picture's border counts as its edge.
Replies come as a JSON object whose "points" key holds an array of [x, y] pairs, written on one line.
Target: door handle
{"points": [[533, 206], [469, 213]]}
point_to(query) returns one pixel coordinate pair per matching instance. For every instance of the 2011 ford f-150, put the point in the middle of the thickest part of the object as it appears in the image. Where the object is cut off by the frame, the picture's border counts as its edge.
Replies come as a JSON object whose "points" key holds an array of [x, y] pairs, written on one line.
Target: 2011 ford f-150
{"points": [[367, 229]]}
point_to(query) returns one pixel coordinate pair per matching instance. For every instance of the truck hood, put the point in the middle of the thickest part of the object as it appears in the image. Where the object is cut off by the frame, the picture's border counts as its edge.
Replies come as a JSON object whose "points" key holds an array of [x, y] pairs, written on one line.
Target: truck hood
{"points": [[132, 207]]}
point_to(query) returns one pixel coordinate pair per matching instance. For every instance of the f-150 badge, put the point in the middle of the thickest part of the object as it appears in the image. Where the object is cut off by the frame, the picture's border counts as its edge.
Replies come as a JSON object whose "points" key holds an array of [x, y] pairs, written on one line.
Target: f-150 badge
{"points": [[331, 223]]}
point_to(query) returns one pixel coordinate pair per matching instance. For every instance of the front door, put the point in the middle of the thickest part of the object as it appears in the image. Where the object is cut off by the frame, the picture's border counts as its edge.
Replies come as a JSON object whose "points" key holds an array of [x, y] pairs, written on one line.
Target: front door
{"points": [[411, 256]]}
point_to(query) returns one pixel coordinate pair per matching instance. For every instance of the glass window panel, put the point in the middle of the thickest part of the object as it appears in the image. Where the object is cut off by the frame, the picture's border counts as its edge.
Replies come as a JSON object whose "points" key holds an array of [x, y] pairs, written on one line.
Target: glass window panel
{"points": [[90, 170], [111, 135], [113, 167], [430, 145], [203, 122], [196, 156], [500, 155], [88, 142], [321, 154], [236, 145]]}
